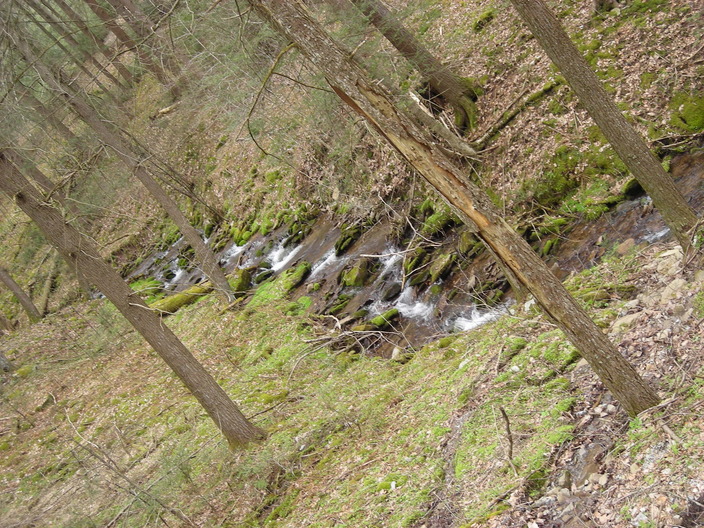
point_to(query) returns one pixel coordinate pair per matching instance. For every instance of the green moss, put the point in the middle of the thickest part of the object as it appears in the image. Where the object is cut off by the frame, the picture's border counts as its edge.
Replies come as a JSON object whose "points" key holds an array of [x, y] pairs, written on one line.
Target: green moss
{"points": [[385, 319], [484, 18], [240, 280], [441, 266], [688, 111], [445, 342], [558, 179], [172, 303], [348, 236], [25, 370], [340, 304], [357, 275], [150, 289], [438, 222]]}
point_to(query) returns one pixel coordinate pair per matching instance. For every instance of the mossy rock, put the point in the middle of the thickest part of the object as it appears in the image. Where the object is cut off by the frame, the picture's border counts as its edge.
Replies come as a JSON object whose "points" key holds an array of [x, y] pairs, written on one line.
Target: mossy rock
{"points": [[441, 266], [419, 278], [484, 18], [467, 242], [172, 303], [438, 222], [240, 280], [415, 260], [348, 236], [445, 342], [366, 327], [25, 370], [357, 275], [384, 320], [291, 278], [340, 304]]}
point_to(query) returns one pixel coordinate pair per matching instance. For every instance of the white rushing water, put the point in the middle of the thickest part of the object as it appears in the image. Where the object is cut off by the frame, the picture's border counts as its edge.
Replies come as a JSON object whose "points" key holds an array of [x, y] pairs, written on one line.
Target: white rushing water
{"points": [[280, 256], [231, 254], [476, 318], [329, 259]]}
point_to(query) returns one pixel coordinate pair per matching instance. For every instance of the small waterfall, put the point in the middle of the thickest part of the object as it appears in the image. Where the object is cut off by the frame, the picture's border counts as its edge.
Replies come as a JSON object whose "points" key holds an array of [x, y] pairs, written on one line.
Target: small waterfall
{"points": [[476, 318], [229, 256], [328, 260], [409, 306], [280, 256]]}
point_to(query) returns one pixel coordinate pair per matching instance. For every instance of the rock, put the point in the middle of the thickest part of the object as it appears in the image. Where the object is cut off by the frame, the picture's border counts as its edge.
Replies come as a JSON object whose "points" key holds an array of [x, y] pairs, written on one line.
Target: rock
{"points": [[625, 247], [670, 262], [441, 266], [391, 292], [626, 322], [357, 275], [564, 479], [699, 276], [672, 290], [384, 320]]}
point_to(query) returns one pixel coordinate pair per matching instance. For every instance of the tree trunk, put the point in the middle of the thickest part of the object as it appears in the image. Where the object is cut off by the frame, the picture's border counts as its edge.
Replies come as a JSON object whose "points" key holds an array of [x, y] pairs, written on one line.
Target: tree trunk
{"points": [[82, 255], [92, 78], [627, 143], [66, 36], [43, 300], [442, 79], [51, 191], [207, 259], [76, 19], [125, 39], [24, 299], [26, 96], [378, 106]]}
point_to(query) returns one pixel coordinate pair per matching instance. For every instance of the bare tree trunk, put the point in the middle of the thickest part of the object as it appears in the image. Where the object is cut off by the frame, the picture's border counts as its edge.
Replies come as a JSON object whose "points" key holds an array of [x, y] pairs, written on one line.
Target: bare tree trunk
{"points": [[379, 107], [26, 96], [82, 254], [205, 256], [441, 78], [92, 78], [112, 58], [24, 299], [52, 191], [116, 30], [627, 143], [66, 36], [43, 300]]}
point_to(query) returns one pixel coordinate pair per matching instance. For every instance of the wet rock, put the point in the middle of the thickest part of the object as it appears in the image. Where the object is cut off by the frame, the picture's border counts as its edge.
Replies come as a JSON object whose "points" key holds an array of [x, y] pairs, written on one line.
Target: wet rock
{"points": [[391, 292], [348, 236], [438, 222], [357, 275], [385, 319], [240, 280]]}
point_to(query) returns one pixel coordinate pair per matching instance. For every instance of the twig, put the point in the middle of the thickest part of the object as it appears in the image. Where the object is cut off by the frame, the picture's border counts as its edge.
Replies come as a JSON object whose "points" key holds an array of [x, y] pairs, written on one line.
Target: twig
{"points": [[509, 437]]}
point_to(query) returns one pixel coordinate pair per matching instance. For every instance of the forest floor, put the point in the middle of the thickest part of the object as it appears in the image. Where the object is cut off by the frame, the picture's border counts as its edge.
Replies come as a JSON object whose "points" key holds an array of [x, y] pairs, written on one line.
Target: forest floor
{"points": [[501, 426]]}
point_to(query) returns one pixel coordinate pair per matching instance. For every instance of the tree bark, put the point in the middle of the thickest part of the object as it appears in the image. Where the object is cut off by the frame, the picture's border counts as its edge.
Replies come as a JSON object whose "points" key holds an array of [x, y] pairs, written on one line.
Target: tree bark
{"points": [[82, 255], [379, 107], [441, 78], [207, 259], [24, 299], [627, 143], [111, 58]]}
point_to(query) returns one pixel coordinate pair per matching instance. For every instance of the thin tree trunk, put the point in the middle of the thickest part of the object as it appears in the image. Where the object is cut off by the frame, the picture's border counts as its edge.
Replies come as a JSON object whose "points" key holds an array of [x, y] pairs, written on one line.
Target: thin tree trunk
{"points": [[43, 301], [82, 254], [378, 106], [66, 36], [116, 30], [26, 96], [441, 78], [76, 19], [25, 301], [92, 78], [627, 143], [52, 191], [207, 259]]}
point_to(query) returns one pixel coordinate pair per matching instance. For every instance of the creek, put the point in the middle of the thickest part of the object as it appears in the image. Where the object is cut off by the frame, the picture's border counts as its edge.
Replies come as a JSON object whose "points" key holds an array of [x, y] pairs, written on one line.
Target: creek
{"points": [[469, 293]]}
